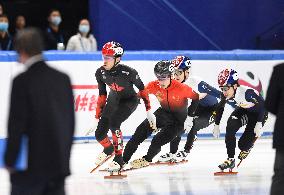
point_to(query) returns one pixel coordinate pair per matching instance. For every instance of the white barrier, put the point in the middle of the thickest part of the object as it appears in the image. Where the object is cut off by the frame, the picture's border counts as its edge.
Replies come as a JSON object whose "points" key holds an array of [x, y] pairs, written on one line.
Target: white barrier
{"points": [[82, 67]]}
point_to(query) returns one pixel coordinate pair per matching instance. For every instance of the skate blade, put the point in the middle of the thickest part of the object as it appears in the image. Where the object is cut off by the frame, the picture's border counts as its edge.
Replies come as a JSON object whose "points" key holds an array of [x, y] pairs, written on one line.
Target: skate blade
{"points": [[160, 163], [177, 163], [132, 168], [239, 163], [170, 163], [113, 176], [220, 173], [101, 163]]}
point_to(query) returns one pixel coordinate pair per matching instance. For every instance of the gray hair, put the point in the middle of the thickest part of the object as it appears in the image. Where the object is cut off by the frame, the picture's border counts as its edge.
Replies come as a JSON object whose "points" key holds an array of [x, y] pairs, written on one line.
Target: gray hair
{"points": [[29, 41]]}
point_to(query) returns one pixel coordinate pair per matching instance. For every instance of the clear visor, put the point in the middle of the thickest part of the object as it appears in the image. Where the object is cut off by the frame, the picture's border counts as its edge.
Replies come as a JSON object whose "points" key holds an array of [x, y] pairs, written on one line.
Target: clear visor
{"points": [[224, 88], [162, 77], [107, 58], [178, 72]]}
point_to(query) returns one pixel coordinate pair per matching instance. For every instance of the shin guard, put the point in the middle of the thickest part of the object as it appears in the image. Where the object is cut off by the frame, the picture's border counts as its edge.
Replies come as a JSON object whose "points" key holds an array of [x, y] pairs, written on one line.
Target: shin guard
{"points": [[117, 141]]}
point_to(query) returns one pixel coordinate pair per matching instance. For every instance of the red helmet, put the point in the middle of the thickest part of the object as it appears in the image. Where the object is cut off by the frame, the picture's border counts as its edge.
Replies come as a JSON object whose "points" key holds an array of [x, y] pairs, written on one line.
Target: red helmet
{"points": [[112, 49]]}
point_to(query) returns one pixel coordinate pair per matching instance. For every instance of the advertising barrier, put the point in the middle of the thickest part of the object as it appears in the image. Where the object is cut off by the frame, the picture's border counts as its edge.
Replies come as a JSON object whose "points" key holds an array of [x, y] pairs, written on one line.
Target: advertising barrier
{"points": [[254, 68]]}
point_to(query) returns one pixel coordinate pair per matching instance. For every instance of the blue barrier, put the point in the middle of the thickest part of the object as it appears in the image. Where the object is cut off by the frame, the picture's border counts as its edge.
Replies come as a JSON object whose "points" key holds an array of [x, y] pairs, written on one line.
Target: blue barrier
{"points": [[10, 56]]}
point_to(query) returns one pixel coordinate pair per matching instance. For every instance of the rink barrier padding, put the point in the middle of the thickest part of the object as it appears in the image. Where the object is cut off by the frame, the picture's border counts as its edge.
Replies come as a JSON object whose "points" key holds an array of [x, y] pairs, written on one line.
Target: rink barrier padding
{"points": [[81, 67], [184, 136]]}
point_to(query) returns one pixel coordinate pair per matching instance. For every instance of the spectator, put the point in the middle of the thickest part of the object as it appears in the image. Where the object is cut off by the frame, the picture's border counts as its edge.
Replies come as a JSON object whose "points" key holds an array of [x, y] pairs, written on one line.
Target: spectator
{"points": [[274, 104], [6, 42], [1, 9], [84, 40], [41, 109], [54, 35], [20, 23]]}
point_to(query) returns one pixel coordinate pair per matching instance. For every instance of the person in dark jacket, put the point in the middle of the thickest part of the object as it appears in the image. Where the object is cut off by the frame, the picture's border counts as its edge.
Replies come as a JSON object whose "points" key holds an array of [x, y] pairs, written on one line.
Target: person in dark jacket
{"points": [[42, 110], [274, 103]]}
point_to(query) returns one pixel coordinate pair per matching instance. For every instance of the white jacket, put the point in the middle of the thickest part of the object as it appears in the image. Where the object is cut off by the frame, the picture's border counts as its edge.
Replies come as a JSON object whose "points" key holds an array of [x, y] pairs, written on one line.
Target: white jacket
{"points": [[84, 44]]}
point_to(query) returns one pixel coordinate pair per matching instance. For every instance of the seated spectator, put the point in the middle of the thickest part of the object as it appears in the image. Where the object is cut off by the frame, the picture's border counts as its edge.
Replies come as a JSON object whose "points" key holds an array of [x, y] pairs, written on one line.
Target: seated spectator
{"points": [[20, 23], [1, 9], [54, 35], [84, 40], [6, 41]]}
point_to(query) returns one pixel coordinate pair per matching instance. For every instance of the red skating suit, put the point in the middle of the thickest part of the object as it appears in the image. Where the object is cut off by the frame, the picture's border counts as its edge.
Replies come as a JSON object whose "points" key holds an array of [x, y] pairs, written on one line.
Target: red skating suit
{"points": [[175, 97]]}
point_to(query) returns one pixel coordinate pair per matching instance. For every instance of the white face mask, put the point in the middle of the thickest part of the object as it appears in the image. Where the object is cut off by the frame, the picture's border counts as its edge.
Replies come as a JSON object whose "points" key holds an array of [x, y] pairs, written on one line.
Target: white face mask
{"points": [[56, 20], [83, 28]]}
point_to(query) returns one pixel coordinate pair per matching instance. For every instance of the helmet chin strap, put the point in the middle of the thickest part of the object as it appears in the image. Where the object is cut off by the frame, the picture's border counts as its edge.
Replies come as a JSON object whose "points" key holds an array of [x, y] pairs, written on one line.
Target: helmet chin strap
{"points": [[184, 78], [116, 62]]}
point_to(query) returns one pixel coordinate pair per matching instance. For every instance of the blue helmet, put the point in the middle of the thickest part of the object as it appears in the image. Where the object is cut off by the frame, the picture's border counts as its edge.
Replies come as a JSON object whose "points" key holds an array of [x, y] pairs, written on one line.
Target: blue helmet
{"points": [[228, 77], [181, 62]]}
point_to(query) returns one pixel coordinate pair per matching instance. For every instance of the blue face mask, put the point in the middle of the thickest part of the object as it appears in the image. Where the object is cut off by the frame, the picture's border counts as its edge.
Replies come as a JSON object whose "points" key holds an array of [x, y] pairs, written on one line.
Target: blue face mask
{"points": [[56, 20], [4, 26], [83, 28]]}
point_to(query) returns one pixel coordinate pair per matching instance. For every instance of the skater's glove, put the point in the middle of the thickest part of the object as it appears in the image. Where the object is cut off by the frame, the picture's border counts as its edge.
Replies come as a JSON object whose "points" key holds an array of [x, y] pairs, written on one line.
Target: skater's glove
{"points": [[188, 123], [216, 131], [92, 128], [152, 119], [258, 129]]}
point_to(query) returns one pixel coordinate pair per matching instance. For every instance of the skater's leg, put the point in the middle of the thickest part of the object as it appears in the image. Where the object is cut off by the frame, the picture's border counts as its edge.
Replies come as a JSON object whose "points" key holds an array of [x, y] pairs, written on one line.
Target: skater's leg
{"points": [[234, 123], [204, 119], [166, 134], [101, 135], [142, 132], [247, 139], [174, 144], [125, 109]]}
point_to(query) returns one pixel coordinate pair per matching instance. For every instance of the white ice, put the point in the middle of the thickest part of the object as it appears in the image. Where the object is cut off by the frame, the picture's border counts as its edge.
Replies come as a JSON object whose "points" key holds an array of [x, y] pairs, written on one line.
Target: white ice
{"points": [[195, 177]]}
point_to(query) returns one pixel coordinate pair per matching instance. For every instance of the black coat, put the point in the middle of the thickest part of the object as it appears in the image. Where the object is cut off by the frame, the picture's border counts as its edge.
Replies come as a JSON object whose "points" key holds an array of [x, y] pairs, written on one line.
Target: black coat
{"points": [[42, 109], [274, 103]]}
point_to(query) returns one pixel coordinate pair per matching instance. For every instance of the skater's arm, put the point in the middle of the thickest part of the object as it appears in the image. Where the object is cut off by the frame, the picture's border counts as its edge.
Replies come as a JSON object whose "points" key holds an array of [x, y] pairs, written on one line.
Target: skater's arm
{"points": [[273, 92], [102, 95], [258, 101], [204, 87], [101, 84], [192, 108], [140, 85], [219, 110]]}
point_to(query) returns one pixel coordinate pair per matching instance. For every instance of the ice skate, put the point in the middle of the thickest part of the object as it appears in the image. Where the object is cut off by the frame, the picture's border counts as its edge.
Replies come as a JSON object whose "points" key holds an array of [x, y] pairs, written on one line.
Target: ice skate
{"points": [[180, 157], [101, 159], [114, 170], [227, 164], [127, 167], [243, 155], [168, 157], [139, 163]]}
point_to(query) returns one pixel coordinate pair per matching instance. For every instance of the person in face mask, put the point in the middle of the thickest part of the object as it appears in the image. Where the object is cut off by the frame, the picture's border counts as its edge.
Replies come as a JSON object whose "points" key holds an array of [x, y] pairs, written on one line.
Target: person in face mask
{"points": [[5, 38], [54, 35], [83, 41]]}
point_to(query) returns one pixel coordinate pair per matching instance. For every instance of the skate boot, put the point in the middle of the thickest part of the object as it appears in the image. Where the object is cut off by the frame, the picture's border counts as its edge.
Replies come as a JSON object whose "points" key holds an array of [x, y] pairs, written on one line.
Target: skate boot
{"points": [[180, 156], [114, 167], [139, 163], [168, 157], [227, 164], [244, 154]]}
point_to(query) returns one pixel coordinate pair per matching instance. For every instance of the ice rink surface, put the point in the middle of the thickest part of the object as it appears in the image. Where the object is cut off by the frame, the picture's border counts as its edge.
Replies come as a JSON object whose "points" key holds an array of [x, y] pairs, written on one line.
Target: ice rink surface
{"points": [[195, 177]]}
